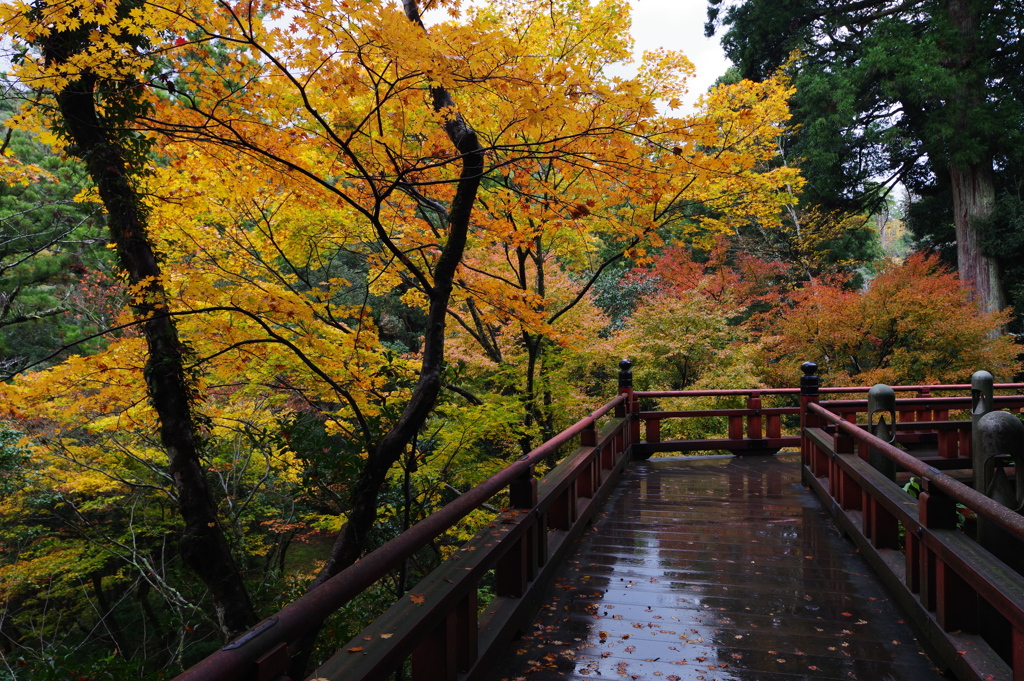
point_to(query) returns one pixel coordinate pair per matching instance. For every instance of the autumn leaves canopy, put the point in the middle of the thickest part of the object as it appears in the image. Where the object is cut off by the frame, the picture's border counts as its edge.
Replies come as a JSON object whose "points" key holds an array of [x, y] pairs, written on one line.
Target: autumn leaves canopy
{"points": [[376, 247]]}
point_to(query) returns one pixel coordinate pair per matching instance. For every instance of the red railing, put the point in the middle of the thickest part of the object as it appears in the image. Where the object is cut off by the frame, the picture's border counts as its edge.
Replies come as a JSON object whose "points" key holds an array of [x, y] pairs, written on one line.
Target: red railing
{"points": [[967, 603], [952, 587], [756, 429], [440, 628]]}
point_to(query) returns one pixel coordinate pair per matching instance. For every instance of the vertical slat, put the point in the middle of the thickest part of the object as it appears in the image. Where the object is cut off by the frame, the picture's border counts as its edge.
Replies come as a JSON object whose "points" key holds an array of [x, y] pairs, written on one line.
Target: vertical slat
{"points": [[634, 420], [912, 556], [885, 531], [956, 606], [522, 492], [935, 510], [774, 425], [585, 478], [924, 413], [821, 460], [849, 492], [754, 420], [588, 436], [1018, 655], [947, 444], [540, 537], [436, 656], [927, 576], [510, 572], [965, 443], [274, 664], [867, 505], [654, 430], [735, 427], [467, 631]]}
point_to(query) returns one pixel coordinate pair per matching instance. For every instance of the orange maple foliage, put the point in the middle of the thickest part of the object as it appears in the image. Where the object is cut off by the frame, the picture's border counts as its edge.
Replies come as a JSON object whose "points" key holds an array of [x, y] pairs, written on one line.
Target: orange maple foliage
{"points": [[914, 323]]}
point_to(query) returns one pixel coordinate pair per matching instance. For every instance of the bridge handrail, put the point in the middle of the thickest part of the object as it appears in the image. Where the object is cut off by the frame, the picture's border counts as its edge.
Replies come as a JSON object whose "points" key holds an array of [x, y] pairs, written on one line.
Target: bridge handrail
{"points": [[754, 428], [960, 493], [236, 659], [796, 391]]}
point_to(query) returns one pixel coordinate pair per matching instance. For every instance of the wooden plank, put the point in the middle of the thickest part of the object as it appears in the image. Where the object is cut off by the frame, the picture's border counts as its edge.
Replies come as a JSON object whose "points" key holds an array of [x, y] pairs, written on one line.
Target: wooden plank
{"points": [[968, 656]]}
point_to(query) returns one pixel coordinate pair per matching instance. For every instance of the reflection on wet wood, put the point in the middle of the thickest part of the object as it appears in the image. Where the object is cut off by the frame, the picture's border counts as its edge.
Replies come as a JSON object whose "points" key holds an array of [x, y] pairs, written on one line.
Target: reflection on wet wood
{"points": [[716, 569]]}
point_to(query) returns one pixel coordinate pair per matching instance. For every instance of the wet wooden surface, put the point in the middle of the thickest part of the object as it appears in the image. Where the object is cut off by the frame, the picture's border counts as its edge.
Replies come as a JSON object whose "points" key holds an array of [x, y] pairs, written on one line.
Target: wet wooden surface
{"points": [[713, 569]]}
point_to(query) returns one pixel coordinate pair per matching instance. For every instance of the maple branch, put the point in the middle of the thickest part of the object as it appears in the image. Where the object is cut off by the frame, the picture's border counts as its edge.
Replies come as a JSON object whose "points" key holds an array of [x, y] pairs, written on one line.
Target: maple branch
{"points": [[473, 399], [477, 334], [593, 279]]}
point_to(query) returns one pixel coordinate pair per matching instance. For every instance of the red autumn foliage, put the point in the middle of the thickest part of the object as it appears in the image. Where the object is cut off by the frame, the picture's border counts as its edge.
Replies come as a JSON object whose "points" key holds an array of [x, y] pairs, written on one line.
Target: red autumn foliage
{"points": [[914, 323]]}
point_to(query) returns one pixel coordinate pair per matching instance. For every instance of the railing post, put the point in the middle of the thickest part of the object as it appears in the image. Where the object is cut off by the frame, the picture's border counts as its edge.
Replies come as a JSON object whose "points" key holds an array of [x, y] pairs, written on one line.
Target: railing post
{"points": [[808, 394], [754, 431], [631, 408], [625, 387], [588, 436], [982, 393], [882, 398], [935, 510], [952, 598], [522, 492], [1000, 436]]}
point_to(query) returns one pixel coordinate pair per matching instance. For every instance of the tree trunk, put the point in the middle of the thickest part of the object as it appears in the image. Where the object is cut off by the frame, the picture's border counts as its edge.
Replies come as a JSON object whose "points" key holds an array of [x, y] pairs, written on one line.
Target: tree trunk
{"points": [[203, 547], [973, 200], [973, 180], [353, 540]]}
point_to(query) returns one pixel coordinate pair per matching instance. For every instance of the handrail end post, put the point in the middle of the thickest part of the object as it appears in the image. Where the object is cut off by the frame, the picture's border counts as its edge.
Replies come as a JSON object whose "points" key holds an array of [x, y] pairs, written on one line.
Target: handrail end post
{"points": [[522, 492], [809, 393], [625, 388]]}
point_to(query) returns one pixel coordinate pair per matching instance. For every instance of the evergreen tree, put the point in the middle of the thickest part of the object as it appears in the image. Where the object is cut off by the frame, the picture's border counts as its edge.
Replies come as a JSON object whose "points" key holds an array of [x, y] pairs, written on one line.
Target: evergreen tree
{"points": [[923, 93]]}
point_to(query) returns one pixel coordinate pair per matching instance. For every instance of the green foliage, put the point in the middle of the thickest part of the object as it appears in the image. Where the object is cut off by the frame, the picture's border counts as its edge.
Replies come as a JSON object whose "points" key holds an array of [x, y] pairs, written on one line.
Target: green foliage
{"points": [[56, 285]]}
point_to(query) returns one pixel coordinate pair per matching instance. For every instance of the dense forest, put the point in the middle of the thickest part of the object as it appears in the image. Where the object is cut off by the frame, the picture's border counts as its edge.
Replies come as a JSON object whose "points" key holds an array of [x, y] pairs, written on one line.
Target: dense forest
{"points": [[279, 279]]}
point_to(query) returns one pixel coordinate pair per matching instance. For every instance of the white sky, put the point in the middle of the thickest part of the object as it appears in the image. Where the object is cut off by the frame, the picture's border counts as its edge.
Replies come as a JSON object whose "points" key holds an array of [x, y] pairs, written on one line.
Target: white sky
{"points": [[679, 25]]}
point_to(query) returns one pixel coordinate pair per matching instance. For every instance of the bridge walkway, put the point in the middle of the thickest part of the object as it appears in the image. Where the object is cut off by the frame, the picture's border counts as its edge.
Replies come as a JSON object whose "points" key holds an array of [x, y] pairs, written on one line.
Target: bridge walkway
{"points": [[716, 569]]}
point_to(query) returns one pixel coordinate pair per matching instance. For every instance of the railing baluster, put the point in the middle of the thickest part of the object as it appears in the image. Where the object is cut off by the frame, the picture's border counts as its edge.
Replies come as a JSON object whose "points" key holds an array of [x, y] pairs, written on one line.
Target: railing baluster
{"points": [[436, 656], [936, 510], [273, 665], [653, 431], [754, 420], [735, 427], [511, 573]]}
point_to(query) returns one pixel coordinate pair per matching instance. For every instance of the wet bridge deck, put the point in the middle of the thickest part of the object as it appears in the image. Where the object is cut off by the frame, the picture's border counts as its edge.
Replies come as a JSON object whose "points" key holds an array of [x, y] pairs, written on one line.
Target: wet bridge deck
{"points": [[717, 569]]}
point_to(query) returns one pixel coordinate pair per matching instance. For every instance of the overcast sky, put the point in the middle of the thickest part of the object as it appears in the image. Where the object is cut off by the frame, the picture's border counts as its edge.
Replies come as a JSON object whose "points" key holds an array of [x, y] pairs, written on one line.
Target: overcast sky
{"points": [[679, 25]]}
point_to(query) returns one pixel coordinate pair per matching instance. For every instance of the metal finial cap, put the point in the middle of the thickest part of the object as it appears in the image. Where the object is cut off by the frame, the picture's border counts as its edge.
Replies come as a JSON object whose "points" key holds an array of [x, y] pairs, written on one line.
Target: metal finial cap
{"points": [[625, 365], [809, 368]]}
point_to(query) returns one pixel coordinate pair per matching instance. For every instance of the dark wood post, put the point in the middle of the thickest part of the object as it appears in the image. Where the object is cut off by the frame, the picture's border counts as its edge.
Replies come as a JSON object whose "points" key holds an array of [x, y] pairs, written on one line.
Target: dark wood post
{"points": [[754, 424], [625, 387], [952, 598], [631, 408], [808, 394]]}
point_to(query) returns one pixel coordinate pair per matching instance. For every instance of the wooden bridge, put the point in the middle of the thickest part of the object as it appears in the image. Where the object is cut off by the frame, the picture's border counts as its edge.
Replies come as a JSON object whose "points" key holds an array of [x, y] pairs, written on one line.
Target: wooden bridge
{"points": [[706, 568]]}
